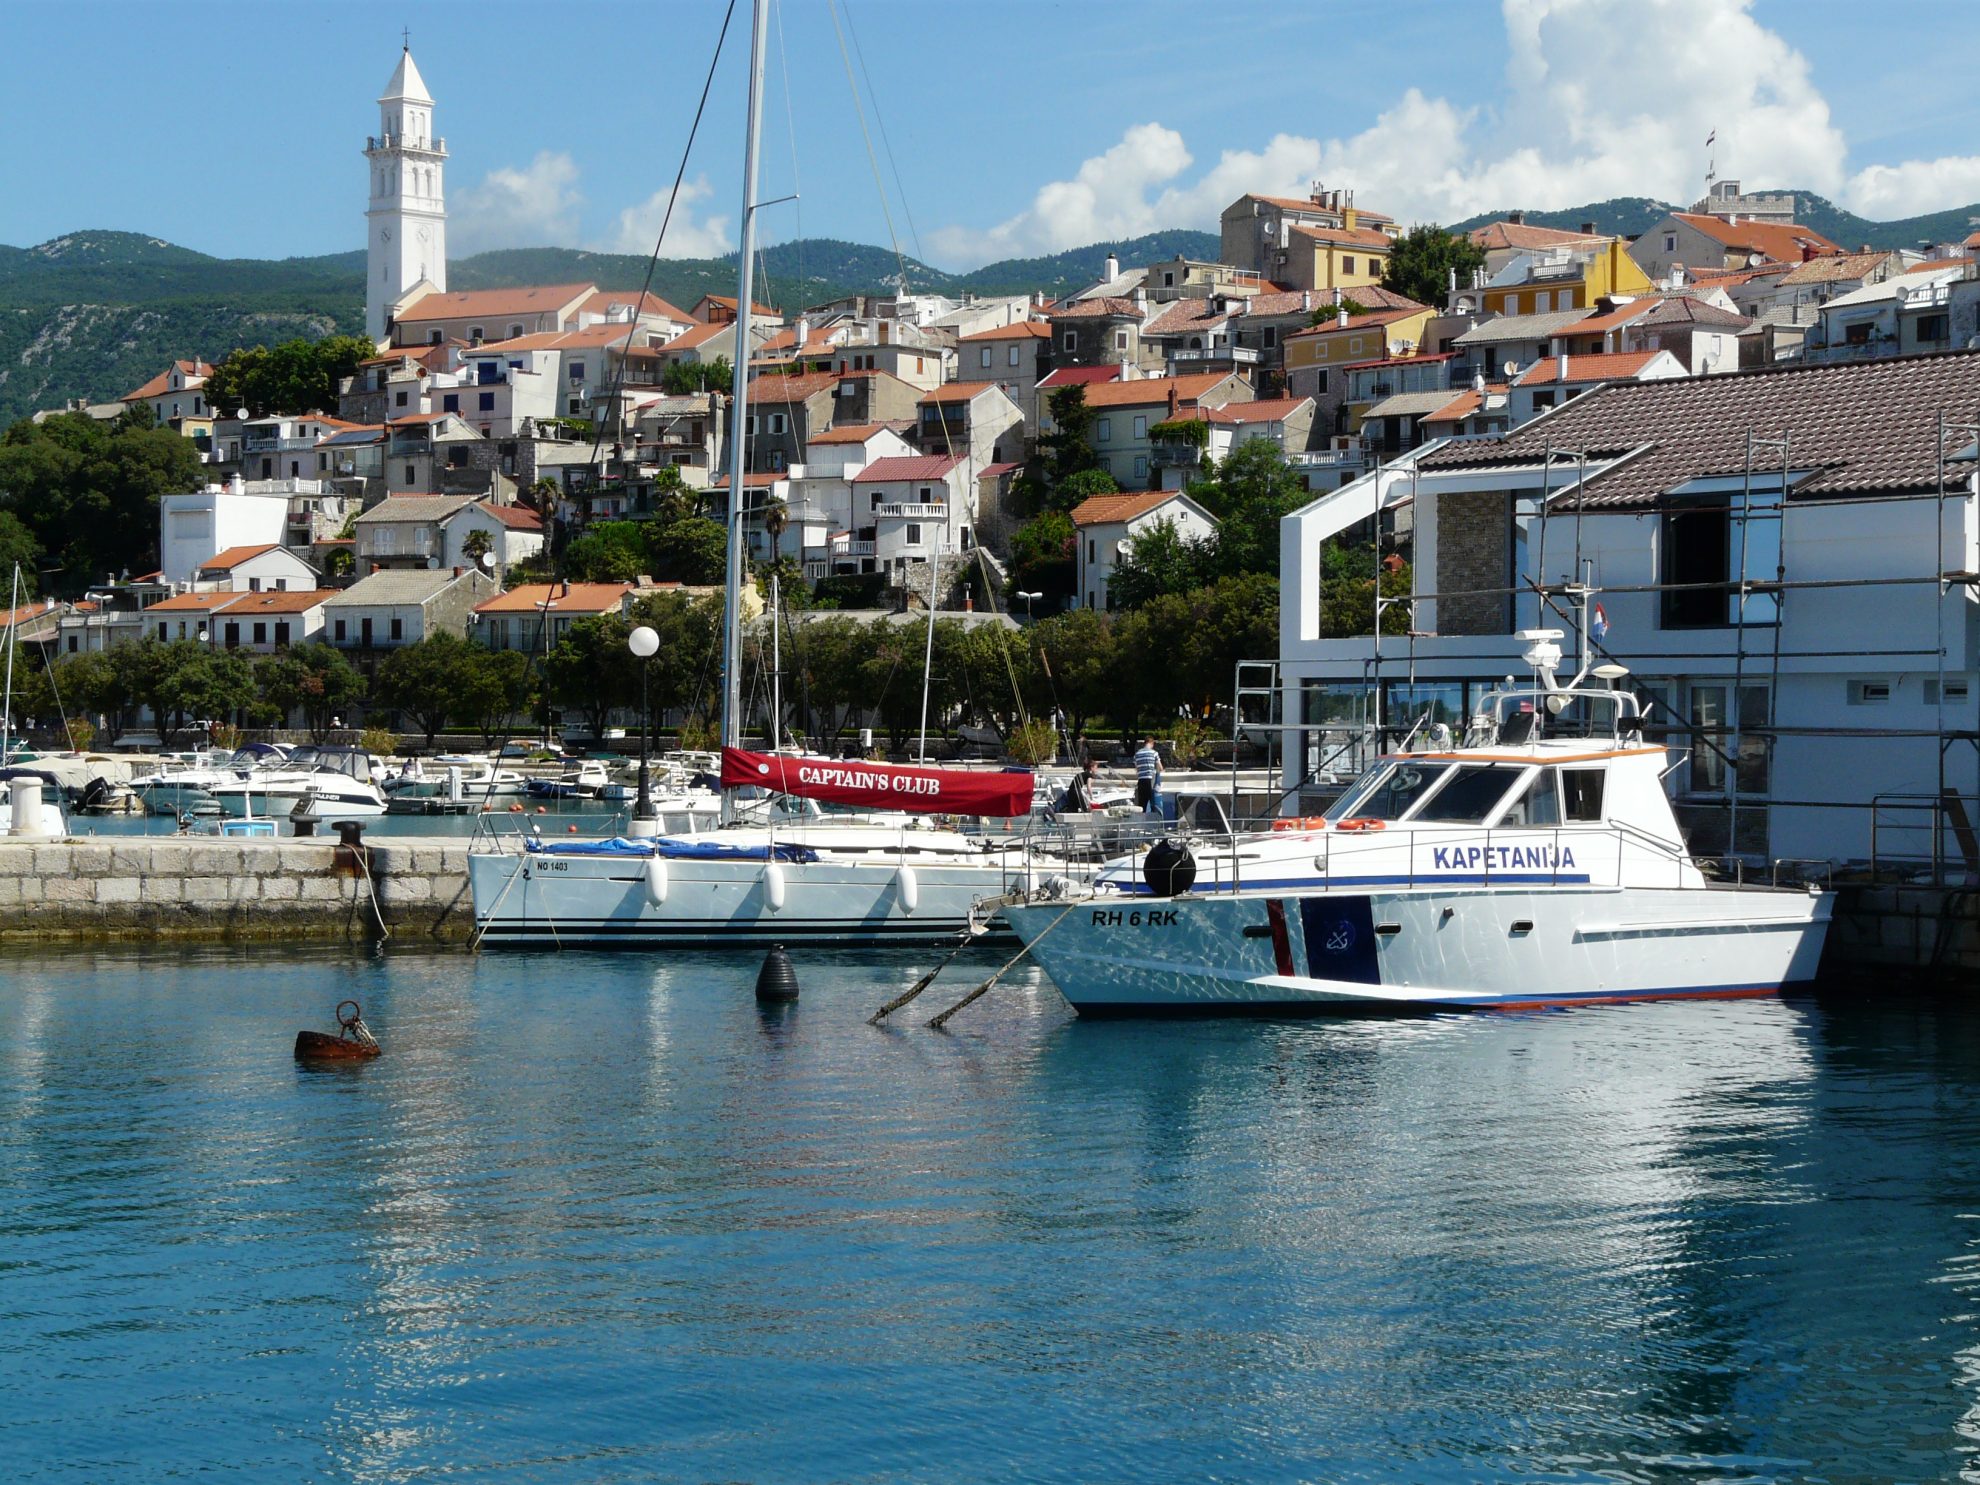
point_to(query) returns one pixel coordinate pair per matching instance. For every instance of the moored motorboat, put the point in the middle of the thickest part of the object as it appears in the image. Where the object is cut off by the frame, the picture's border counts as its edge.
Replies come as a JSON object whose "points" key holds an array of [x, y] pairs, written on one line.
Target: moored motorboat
{"points": [[1537, 863]]}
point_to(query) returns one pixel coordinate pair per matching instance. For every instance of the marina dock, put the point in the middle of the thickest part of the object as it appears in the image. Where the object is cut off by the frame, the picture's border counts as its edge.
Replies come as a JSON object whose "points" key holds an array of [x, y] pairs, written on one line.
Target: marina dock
{"points": [[180, 888]]}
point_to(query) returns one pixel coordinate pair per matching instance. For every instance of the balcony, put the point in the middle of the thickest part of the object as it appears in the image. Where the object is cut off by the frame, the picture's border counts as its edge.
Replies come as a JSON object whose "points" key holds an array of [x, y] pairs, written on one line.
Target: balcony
{"points": [[846, 546], [914, 512], [1237, 355], [1169, 453]]}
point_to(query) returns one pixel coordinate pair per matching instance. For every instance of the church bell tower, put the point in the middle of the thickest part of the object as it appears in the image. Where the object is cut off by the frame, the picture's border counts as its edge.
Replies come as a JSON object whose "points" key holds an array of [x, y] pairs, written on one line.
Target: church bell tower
{"points": [[407, 221]]}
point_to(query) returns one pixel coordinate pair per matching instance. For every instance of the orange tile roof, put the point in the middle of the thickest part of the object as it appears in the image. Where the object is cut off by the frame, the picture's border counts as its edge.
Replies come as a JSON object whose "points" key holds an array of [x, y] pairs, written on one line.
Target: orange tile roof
{"points": [[1263, 410], [755, 479], [855, 432], [1184, 315], [564, 598], [1618, 366], [1613, 319], [958, 392], [907, 467], [193, 603], [1362, 237], [1833, 268], [1357, 322], [515, 517], [1100, 308], [1777, 242], [1154, 389], [1494, 236], [728, 302], [1108, 510], [281, 601], [1295, 203], [470, 303], [1933, 265], [160, 384], [645, 304], [234, 556], [1022, 330], [1464, 405]]}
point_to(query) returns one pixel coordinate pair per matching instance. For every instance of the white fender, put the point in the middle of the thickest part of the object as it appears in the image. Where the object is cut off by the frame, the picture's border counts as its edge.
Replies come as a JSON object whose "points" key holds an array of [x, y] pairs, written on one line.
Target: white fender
{"points": [[773, 886], [656, 880], [908, 886]]}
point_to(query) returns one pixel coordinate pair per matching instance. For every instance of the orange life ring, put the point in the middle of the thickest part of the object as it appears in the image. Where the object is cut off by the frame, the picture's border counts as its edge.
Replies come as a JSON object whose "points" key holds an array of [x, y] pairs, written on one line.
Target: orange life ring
{"points": [[1301, 822], [1363, 825]]}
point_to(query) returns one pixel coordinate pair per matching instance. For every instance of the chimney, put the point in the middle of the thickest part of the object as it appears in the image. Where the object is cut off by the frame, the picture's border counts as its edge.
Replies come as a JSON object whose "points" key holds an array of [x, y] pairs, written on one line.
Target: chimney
{"points": [[1140, 297], [1560, 367], [1113, 268], [1341, 318], [803, 331], [1175, 402], [1306, 299], [1587, 229], [1516, 218], [1807, 251], [1478, 382], [457, 572]]}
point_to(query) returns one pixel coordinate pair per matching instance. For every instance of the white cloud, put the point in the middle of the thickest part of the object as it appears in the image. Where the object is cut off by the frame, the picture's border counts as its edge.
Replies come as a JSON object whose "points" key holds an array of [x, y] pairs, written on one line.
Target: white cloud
{"points": [[1602, 98], [536, 206], [686, 238]]}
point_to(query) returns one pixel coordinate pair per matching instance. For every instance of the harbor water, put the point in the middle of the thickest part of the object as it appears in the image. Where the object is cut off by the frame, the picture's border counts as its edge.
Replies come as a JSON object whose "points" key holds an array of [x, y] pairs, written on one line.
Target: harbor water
{"points": [[598, 1218]]}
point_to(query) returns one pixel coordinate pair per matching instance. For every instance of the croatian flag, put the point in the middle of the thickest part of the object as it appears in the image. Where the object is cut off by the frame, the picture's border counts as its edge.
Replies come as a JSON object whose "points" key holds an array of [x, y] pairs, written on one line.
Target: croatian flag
{"points": [[1599, 625]]}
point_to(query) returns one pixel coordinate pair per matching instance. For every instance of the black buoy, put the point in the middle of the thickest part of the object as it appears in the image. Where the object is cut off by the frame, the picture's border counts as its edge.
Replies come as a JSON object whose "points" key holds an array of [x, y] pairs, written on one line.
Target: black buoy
{"points": [[777, 980], [1169, 869]]}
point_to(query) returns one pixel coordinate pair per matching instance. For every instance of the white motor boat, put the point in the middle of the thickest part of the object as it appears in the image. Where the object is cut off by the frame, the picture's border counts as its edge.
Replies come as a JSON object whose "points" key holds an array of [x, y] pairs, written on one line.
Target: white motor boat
{"points": [[1539, 863], [314, 784]]}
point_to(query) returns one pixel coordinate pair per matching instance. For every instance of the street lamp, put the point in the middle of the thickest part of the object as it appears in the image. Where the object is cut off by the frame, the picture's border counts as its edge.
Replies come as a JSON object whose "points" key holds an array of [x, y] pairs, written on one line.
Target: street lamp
{"points": [[644, 643], [1029, 599]]}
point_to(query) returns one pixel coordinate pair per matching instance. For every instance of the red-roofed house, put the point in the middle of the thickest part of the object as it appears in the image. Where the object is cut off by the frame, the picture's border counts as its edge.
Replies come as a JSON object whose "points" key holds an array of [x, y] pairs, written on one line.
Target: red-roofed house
{"points": [[535, 616], [915, 507], [1557, 379], [785, 412], [1321, 242], [506, 533], [262, 567], [1104, 525], [268, 621], [477, 315], [1125, 411], [177, 394], [1013, 356], [1699, 241], [977, 420]]}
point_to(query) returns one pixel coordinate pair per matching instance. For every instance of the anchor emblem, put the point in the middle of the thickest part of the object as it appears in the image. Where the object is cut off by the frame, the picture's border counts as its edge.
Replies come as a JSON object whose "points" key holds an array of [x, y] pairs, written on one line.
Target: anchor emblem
{"points": [[1341, 938]]}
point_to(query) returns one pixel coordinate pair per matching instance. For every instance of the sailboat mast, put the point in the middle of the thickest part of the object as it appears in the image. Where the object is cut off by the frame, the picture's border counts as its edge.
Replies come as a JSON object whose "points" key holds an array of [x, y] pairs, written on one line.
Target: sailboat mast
{"points": [[928, 656], [739, 394], [7, 703]]}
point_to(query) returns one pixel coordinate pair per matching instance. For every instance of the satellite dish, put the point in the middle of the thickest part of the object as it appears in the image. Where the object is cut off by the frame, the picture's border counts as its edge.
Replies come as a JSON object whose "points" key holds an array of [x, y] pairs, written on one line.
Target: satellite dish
{"points": [[488, 561], [241, 413], [432, 562], [1511, 369], [1123, 547]]}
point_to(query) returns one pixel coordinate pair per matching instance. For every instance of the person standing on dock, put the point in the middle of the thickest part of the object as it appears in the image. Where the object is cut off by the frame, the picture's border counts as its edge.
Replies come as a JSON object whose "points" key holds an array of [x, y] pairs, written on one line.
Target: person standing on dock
{"points": [[1147, 775]]}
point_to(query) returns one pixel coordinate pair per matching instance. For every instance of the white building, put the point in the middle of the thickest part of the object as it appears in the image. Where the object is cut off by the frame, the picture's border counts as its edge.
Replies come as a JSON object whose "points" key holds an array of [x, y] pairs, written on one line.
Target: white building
{"points": [[507, 533], [407, 222], [1767, 551], [192, 527], [1105, 525], [917, 507], [265, 568]]}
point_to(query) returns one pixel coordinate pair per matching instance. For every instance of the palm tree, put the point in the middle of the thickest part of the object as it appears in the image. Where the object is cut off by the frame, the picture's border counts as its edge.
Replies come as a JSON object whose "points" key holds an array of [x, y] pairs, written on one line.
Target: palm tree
{"points": [[776, 518]]}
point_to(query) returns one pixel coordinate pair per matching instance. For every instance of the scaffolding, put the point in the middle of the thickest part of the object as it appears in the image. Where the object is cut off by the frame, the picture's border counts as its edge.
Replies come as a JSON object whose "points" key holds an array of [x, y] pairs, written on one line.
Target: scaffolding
{"points": [[1758, 594]]}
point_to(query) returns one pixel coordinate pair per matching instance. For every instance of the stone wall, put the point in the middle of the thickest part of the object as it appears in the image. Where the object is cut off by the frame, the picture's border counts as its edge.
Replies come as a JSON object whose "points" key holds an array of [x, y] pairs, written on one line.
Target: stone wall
{"points": [[179, 887], [1474, 562]]}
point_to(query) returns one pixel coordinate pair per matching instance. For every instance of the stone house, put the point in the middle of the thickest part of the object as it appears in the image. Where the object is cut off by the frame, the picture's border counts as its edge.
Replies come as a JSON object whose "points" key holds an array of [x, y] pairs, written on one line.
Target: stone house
{"points": [[391, 608]]}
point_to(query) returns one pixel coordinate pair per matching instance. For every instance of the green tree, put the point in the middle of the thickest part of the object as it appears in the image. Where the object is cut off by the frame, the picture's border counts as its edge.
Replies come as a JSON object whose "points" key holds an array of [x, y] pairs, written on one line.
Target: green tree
{"points": [[1078, 665], [426, 681], [1068, 449], [685, 378], [610, 552], [1421, 262], [1180, 652], [683, 672], [18, 548], [591, 672], [693, 550], [297, 376], [314, 680], [1347, 592], [88, 494], [495, 686], [90, 682], [1250, 492], [1042, 557], [1160, 559], [826, 667]]}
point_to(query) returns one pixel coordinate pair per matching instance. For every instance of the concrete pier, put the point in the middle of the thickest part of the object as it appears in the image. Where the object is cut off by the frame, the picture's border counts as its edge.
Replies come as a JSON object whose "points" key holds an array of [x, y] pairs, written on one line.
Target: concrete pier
{"points": [[200, 888]]}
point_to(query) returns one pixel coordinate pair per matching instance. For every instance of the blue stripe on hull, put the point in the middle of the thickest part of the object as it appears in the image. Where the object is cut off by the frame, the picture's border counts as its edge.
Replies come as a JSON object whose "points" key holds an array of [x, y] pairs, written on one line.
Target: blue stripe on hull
{"points": [[1198, 1009]]}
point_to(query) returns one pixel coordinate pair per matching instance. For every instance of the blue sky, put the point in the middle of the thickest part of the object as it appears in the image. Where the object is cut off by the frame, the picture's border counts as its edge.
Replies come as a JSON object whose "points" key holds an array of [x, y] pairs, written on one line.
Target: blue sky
{"points": [[1017, 127]]}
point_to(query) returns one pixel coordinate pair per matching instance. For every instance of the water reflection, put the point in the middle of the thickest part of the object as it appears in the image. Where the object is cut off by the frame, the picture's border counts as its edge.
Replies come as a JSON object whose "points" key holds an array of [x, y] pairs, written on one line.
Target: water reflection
{"points": [[590, 1212]]}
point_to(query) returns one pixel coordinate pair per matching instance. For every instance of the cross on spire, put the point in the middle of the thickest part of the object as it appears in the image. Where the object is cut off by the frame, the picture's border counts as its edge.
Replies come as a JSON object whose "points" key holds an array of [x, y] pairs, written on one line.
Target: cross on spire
{"points": [[405, 33]]}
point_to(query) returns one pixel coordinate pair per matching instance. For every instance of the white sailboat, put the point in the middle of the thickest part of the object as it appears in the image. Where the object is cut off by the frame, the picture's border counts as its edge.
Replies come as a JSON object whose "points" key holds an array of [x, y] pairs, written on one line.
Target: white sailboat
{"points": [[903, 877], [28, 807]]}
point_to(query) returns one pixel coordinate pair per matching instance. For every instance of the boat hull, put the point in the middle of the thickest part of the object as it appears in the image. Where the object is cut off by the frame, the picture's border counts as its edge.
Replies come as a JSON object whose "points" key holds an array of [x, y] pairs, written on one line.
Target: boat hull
{"points": [[545, 900], [1351, 953]]}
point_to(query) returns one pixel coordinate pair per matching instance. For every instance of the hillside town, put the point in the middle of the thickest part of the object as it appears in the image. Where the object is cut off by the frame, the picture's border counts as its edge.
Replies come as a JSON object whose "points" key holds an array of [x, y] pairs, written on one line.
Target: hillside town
{"points": [[499, 465]]}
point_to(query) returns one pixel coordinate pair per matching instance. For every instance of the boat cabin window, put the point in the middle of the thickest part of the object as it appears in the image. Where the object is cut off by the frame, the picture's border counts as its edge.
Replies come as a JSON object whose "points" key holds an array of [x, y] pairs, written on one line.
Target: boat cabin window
{"points": [[1540, 804], [1581, 788], [1389, 793], [1473, 793]]}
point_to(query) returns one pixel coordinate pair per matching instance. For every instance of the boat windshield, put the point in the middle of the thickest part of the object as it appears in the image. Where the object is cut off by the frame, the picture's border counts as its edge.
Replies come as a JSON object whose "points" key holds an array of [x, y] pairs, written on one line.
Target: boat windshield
{"points": [[1473, 792], [1389, 791]]}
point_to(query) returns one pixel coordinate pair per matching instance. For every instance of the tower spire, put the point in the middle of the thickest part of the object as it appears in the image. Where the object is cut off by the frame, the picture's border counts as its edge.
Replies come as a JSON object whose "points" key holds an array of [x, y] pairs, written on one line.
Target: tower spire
{"points": [[406, 223]]}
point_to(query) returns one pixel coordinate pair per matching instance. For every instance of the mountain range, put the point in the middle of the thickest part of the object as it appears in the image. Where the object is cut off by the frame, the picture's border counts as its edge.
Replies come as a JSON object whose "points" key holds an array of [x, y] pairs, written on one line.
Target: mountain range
{"points": [[93, 314]]}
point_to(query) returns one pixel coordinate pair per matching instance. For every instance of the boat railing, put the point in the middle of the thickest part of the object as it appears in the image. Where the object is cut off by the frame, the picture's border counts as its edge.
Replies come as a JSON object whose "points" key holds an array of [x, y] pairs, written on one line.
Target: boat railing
{"points": [[1925, 838]]}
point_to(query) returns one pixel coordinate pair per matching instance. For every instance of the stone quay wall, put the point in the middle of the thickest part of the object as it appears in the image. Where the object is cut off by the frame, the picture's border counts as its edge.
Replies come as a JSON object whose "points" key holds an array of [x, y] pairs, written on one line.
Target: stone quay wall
{"points": [[200, 888]]}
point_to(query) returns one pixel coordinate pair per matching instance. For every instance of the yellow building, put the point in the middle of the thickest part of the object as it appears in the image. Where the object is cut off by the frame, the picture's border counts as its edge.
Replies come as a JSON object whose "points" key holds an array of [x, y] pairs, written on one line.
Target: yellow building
{"points": [[1321, 242], [1567, 277], [1315, 357]]}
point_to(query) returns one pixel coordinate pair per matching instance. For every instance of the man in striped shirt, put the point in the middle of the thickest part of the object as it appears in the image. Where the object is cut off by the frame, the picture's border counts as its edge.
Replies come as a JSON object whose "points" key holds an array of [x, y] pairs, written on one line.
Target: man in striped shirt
{"points": [[1147, 774]]}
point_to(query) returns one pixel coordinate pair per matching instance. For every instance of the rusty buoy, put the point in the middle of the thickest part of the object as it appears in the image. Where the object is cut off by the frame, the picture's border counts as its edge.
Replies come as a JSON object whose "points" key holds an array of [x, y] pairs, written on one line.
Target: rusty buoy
{"points": [[353, 1043]]}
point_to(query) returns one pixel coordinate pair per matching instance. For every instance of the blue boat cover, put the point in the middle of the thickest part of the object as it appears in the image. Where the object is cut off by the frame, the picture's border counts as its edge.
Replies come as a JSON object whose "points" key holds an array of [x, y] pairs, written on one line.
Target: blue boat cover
{"points": [[673, 850]]}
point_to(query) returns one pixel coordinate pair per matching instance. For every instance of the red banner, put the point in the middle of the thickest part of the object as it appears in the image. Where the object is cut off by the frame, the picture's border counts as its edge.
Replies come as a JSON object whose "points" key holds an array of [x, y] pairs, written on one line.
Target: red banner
{"points": [[881, 786]]}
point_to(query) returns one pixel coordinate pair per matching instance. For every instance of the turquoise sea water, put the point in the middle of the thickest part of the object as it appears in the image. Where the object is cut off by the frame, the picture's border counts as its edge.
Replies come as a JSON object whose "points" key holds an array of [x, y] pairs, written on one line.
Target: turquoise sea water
{"points": [[598, 1218]]}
